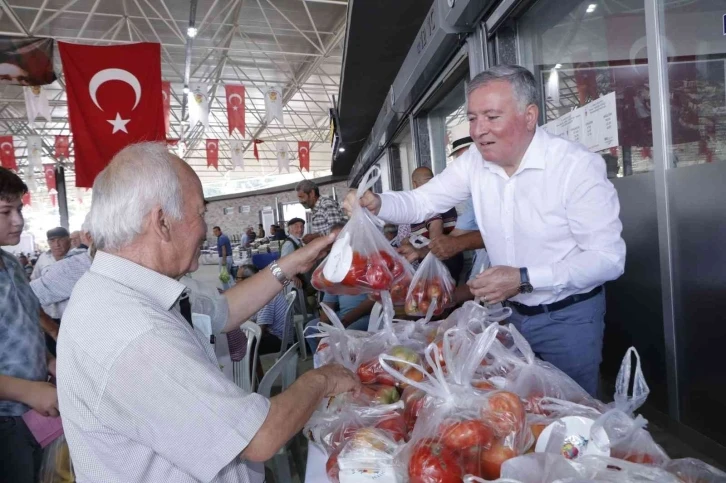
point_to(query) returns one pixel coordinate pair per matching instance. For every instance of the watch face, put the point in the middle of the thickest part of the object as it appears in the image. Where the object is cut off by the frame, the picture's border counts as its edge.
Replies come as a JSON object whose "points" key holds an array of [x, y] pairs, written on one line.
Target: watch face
{"points": [[526, 288]]}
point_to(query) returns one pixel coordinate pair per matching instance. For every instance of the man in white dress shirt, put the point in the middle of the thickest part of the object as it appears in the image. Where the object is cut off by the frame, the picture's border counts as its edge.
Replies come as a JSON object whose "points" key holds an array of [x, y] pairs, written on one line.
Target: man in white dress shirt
{"points": [[547, 213], [141, 392]]}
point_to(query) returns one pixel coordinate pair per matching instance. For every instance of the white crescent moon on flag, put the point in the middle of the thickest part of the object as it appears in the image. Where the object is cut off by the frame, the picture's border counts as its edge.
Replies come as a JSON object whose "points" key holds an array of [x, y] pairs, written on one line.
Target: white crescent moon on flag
{"points": [[114, 74], [2, 146], [304, 150], [211, 145], [233, 96]]}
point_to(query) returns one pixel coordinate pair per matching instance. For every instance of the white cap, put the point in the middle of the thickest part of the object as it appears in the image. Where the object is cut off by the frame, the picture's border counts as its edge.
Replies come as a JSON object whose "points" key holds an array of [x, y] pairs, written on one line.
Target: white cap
{"points": [[459, 137]]}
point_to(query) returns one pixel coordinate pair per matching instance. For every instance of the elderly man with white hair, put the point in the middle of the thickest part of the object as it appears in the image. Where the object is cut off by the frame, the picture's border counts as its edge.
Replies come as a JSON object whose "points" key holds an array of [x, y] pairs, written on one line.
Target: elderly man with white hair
{"points": [[140, 389]]}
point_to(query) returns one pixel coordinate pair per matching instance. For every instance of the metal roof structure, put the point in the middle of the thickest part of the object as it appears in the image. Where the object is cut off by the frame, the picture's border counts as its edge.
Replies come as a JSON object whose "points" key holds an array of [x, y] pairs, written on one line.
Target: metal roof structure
{"points": [[294, 45]]}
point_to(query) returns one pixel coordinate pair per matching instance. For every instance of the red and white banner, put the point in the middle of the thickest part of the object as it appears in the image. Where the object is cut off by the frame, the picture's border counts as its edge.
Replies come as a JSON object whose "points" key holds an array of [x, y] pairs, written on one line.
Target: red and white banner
{"points": [[27, 201], [113, 101], [62, 146], [213, 153], [166, 98], [7, 153], [255, 152], [303, 154], [235, 108], [49, 171]]}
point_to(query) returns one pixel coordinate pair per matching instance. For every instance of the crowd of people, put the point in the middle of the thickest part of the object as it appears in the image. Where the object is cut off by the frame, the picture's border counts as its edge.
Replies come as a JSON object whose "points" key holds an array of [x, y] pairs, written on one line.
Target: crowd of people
{"points": [[99, 329]]}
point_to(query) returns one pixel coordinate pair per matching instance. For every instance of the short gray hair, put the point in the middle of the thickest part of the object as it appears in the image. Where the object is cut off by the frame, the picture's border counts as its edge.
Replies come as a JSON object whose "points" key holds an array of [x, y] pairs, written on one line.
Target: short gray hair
{"points": [[306, 186], [86, 226], [521, 80], [139, 178]]}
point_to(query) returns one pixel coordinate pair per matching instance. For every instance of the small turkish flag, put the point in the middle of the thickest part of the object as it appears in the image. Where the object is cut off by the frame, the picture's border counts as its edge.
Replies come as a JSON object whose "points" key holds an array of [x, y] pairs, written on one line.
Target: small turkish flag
{"points": [[254, 151], [26, 200], [49, 171], [113, 100], [62, 144], [303, 154], [166, 95], [213, 153], [7, 153], [235, 108]]}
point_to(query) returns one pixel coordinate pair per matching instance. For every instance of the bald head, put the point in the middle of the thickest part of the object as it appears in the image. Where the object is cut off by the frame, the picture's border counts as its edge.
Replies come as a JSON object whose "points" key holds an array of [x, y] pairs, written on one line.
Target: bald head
{"points": [[421, 176]]}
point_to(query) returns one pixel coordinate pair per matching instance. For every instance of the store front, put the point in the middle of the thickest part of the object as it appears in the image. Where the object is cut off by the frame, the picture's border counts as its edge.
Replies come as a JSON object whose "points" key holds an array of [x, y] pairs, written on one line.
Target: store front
{"points": [[652, 72]]}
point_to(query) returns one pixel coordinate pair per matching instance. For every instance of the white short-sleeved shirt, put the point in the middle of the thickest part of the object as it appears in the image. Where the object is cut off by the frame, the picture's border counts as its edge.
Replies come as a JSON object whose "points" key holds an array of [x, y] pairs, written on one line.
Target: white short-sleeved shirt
{"points": [[141, 395]]}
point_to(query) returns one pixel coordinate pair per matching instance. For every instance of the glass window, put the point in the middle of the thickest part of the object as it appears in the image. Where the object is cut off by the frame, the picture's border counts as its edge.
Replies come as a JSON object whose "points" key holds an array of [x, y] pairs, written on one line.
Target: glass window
{"points": [[696, 49], [407, 157], [580, 54], [295, 210]]}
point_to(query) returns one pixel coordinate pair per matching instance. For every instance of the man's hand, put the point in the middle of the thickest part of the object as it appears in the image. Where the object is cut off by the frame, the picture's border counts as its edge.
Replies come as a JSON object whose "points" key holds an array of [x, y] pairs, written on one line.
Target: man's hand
{"points": [[310, 237], [445, 247], [43, 397], [302, 260], [496, 284], [410, 253], [338, 379], [370, 201], [51, 366]]}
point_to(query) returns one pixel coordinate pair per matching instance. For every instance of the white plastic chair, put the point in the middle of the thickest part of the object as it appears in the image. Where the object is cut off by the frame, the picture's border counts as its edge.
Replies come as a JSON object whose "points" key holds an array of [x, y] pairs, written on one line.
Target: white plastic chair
{"points": [[300, 320], [286, 334], [286, 368], [245, 371]]}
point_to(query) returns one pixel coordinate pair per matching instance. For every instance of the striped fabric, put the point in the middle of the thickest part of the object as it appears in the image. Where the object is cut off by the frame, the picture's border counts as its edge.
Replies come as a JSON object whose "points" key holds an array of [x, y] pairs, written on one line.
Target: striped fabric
{"points": [[273, 314], [54, 286], [140, 392]]}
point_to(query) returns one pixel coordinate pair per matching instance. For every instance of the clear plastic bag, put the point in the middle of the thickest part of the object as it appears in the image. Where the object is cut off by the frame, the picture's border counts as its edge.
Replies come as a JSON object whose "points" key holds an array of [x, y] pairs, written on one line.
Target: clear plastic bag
{"points": [[368, 455], [361, 260], [57, 466], [400, 286], [224, 276], [691, 470], [431, 290]]}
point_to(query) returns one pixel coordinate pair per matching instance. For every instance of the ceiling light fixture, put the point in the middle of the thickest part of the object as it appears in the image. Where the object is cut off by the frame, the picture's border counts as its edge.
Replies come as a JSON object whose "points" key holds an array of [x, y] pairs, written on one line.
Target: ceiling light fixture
{"points": [[191, 32], [341, 149], [186, 90], [591, 8]]}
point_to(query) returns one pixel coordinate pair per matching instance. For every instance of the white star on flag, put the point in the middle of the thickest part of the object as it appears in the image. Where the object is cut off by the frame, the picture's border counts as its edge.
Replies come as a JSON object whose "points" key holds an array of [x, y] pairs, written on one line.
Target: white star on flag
{"points": [[119, 124]]}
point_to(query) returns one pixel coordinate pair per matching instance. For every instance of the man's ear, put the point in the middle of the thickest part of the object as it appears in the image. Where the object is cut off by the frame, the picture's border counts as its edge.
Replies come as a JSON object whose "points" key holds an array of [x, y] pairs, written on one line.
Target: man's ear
{"points": [[532, 115], [160, 224]]}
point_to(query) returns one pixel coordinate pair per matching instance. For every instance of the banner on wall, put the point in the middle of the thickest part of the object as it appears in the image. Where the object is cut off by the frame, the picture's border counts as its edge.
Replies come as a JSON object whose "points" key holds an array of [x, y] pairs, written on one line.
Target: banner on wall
{"points": [[303, 154], [62, 146], [49, 171], [213, 153], [273, 106], [237, 154], [36, 103], [7, 153], [26, 61], [35, 151], [283, 158], [198, 102], [235, 108]]}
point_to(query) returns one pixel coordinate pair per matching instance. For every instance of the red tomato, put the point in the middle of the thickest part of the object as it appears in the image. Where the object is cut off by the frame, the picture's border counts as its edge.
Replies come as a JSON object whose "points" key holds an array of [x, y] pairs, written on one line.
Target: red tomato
{"points": [[319, 281], [419, 291], [371, 372], [423, 306], [505, 413], [399, 290], [434, 290], [483, 385], [432, 462], [413, 374], [378, 276], [537, 430], [357, 271], [395, 425], [492, 459], [459, 435], [642, 458], [413, 400]]}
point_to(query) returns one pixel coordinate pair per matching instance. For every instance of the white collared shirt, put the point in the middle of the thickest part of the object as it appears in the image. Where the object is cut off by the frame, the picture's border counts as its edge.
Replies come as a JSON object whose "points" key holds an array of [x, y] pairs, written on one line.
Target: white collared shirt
{"points": [[140, 392], [558, 215]]}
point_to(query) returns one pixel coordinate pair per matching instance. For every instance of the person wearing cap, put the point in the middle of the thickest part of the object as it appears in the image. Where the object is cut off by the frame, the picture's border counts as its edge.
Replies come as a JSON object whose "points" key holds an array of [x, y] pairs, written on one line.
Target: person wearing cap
{"points": [[295, 230], [59, 241]]}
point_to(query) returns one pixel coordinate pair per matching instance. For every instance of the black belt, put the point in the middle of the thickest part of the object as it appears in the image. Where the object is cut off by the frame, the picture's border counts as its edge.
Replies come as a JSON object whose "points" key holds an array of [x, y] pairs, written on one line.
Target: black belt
{"points": [[530, 310]]}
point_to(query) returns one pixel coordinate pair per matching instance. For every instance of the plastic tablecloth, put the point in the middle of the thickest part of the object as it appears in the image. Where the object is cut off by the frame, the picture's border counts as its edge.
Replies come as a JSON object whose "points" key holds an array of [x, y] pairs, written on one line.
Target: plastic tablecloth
{"points": [[262, 260]]}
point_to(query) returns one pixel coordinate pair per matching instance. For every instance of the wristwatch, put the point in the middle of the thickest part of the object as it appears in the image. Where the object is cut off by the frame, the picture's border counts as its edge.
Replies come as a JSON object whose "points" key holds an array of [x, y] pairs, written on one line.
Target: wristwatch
{"points": [[279, 274], [524, 285]]}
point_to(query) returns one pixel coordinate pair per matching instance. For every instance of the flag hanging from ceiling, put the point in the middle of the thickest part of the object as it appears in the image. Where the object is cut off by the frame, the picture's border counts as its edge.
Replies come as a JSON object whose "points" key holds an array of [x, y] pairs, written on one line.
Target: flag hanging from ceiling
{"points": [[27, 201], [273, 105], [213, 153], [113, 101], [255, 152], [303, 154], [238, 154], [283, 160], [36, 103], [235, 108], [49, 170], [26, 61], [198, 103], [35, 151], [166, 98], [29, 178], [62, 144], [7, 153]]}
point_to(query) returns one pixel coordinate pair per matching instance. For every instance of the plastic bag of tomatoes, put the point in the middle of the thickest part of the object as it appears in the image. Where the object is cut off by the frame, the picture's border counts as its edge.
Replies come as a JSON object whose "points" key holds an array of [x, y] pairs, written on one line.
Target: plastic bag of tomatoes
{"points": [[691, 470], [400, 286], [431, 290], [458, 430], [369, 453], [361, 260]]}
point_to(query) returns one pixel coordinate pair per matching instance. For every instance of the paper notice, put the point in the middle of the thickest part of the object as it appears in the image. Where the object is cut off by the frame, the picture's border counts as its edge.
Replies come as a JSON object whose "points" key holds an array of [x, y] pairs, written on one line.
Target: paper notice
{"points": [[594, 125]]}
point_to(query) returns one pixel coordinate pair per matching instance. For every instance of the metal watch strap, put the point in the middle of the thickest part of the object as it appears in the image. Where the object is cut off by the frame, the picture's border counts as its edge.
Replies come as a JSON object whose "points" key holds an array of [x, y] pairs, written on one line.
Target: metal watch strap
{"points": [[279, 274]]}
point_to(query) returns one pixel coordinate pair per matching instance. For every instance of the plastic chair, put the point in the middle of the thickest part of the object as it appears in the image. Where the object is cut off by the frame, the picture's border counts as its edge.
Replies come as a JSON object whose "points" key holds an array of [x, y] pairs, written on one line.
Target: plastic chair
{"points": [[286, 368], [245, 371], [300, 320], [287, 333]]}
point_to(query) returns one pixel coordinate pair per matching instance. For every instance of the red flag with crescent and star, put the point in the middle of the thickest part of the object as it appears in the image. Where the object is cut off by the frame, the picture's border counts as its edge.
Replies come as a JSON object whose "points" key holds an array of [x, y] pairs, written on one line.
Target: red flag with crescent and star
{"points": [[303, 154], [62, 144], [113, 101], [235, 108], [166, 98], [49, 171], [7, 153], [213, 153]]}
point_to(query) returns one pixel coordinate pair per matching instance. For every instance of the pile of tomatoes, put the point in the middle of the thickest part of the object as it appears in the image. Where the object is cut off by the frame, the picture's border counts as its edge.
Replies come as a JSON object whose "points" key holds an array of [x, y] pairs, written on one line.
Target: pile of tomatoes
{"points": [[367, 274]]}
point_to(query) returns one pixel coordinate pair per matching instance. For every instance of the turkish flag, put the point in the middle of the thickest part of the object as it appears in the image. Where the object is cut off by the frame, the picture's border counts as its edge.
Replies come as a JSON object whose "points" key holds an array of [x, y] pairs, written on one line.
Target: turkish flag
{"points": [[62, 144], [7, 153], [27, 201], [235, 108], [255, 151], [303, 154], [113, 101], [49, 171], [166, 98], [213, 153]]}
